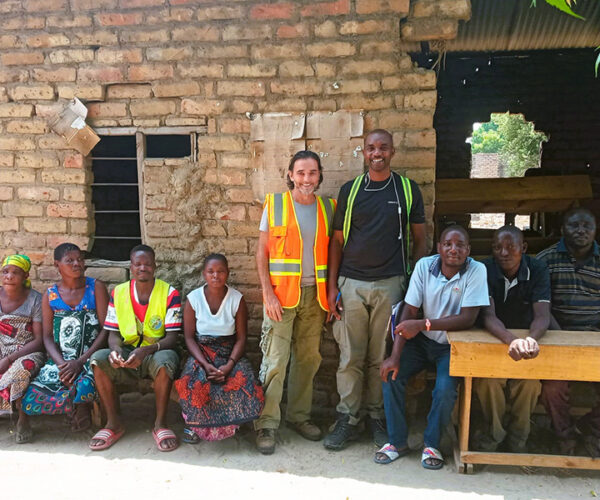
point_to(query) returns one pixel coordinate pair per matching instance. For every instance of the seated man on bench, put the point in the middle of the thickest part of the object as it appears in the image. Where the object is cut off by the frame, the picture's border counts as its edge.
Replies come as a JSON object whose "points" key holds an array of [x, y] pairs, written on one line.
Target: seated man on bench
{"points": [[450, 287], [574, 265], [144, 318], [519, 289]]}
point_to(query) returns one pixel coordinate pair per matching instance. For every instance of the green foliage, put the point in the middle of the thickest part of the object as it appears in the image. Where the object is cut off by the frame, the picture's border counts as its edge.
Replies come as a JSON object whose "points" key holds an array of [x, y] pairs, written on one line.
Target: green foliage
{"points": [[562, 5], [516, 141]]}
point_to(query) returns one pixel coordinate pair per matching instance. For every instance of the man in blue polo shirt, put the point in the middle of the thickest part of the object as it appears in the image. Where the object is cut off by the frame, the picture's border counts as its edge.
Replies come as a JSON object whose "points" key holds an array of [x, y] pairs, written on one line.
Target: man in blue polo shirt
{"points": [[519, 288], [450, 288], [574, 265]]}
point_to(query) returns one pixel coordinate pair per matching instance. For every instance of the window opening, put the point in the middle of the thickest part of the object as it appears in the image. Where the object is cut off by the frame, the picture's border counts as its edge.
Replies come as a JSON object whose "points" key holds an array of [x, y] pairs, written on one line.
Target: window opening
{"points": [[168, 146], [506, 146], [115, 197]]}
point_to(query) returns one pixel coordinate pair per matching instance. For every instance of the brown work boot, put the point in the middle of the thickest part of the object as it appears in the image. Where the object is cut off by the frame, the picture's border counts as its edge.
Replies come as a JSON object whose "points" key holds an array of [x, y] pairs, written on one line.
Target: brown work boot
{"points": [[265, 441], [307, 430]]}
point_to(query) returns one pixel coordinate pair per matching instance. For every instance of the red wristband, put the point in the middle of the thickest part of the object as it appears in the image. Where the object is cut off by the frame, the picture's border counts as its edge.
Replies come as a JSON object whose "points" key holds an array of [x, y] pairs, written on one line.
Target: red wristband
{"points": [[427, 324]]}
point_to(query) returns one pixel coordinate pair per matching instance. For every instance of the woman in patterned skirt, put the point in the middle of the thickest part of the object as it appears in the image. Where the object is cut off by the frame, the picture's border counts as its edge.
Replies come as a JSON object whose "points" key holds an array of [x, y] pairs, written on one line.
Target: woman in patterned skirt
{"points": [[21, 343], [217, 389], [73, 315]]}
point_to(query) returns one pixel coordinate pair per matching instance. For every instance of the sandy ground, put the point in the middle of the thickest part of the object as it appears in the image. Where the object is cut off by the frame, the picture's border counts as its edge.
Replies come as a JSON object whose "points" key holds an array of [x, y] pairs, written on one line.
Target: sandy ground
{"points": [[58, 464]]}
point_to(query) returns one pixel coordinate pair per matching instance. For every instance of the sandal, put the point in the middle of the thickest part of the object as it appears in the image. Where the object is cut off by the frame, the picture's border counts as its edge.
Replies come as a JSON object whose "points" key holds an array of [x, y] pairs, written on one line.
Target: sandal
{"points": [[108, 438], [388, 453], [24, 436], [189, 436], [434, 456], [82, 418], [161, 435]]}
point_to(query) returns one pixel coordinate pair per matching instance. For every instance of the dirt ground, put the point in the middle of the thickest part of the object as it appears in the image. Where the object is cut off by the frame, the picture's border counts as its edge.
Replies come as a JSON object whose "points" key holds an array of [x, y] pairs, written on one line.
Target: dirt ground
{"points": [[58, 464]]}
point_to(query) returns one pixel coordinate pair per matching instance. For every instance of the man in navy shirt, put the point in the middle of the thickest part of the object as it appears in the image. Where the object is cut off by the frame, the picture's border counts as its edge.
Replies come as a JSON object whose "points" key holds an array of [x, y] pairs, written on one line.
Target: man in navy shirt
{"points": [[519, 289]]}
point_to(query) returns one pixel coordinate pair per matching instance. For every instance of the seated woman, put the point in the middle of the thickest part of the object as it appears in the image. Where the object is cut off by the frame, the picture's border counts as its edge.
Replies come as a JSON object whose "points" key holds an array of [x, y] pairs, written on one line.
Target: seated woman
{"points": [[21, 343], [217, 389], [73, 315]]}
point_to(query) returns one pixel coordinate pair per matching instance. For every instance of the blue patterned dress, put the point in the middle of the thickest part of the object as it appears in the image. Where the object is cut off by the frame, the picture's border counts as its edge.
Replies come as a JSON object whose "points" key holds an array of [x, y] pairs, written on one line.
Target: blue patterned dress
{"points": [[75, 329]]}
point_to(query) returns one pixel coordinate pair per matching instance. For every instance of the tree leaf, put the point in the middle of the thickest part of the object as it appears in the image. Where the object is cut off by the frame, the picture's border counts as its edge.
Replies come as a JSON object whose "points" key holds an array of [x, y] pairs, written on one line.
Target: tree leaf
{"points": [[563, 6]]}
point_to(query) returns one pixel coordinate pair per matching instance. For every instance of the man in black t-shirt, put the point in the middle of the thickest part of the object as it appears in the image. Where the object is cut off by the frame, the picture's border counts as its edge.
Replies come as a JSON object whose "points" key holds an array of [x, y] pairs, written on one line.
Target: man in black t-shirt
{"points": [[377, 215], [519, 288]]}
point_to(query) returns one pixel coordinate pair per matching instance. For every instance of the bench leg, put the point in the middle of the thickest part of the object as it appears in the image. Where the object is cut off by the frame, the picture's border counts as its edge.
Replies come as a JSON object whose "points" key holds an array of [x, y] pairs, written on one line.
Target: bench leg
{"points": [[463, 426]]}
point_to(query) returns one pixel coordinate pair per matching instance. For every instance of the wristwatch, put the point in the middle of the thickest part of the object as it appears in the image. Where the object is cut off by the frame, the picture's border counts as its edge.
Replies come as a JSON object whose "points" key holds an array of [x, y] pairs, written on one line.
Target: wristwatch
{"points": [[427, 324]]}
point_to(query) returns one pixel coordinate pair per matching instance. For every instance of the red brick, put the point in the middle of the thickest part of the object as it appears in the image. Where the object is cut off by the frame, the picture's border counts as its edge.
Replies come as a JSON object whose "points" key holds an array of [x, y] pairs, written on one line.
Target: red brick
{"points": [[63, 56], [272, 11], [150, 72], [61, 176], [202, 106], [371, 67], [168, 15], [88, 92], [326, 8], [21, 58], [48, 110], [300, 30], [100, 74], [295, 69], [153, 107], [176, 89], [75, 160], [199, 70], [268, 51], [54, 75], [101, 38], [222, 51], [250, 70], [106, 109], [23, 92], [69, 22], [366, 27], [155, 36], [169, 53], [382, 6], [117, 56], [93, 4], [244, 32], [232, 212], [44, 5], [332, 49], [328, 29], [234, 126], [131, 4], [221, 143], [128, 91], [21, 23], [13, 75], [27, 127], [210, 13], [297, 88], [44, 225], [204, 33], [47, 40], [423, 29], [75, 210], [118, 19], [241, 88], [412, 81]]}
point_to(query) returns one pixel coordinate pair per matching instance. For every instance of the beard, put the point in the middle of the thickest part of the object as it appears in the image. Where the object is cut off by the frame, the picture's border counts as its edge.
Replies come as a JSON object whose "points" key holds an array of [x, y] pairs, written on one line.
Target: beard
{"points": [[305, 190]]}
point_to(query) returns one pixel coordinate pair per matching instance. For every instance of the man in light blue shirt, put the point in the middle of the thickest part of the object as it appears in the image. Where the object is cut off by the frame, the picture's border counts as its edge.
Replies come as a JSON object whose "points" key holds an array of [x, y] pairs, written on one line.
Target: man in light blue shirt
{"points": [[450, 288]]}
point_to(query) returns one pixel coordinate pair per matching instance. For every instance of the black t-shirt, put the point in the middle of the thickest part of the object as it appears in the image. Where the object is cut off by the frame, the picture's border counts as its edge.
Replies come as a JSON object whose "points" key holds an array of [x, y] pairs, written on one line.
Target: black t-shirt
{"points": [[373, 250], [533, 285]]}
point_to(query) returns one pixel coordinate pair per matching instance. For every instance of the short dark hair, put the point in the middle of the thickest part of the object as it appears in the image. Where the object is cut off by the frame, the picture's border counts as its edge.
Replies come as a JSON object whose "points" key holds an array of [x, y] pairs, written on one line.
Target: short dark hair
{"points": [[215, 256], [142, 248], [512, 230], [455, 227], [380, 131], [577, 210], [303, 155], [61, 250]]}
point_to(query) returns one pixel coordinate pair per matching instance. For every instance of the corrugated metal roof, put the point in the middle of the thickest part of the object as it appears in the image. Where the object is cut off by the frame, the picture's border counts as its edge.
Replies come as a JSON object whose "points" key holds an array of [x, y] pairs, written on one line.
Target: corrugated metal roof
{"points": [[499, 25]]}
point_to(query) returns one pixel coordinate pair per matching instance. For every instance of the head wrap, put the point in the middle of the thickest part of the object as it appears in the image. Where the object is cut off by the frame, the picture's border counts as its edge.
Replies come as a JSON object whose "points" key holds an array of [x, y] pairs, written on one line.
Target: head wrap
{"points": [[22, 262]]}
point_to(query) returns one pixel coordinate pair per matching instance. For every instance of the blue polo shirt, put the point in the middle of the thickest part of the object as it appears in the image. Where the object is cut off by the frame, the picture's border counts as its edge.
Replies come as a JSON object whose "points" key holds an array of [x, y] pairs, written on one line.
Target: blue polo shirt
{"points": [[440, 297]]}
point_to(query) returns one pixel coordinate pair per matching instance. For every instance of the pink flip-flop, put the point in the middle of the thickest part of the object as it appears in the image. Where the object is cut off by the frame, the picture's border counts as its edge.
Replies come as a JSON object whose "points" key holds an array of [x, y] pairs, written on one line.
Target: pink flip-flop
{"points": [[161, 435], [108, 436]]}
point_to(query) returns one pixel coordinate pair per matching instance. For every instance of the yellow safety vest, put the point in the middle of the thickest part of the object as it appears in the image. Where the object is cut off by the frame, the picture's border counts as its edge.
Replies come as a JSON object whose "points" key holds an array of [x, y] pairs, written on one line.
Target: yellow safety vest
{"points": [[130, 327]]}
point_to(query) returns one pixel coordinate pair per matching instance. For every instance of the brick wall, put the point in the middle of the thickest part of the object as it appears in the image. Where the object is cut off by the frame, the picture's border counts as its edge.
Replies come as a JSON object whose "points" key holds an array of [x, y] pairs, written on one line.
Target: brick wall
{"points": [[154, 63], [486, 165]]}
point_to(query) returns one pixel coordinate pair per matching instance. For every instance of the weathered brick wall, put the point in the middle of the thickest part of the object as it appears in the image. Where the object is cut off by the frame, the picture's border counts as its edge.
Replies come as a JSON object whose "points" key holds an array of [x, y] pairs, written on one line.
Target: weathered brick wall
{"points": [[150, 63], [486, 165]]}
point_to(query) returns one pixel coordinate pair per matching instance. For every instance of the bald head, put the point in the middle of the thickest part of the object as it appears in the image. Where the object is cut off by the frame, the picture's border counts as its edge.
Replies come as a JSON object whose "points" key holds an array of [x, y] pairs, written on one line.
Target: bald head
{"points": [[379, 132]]}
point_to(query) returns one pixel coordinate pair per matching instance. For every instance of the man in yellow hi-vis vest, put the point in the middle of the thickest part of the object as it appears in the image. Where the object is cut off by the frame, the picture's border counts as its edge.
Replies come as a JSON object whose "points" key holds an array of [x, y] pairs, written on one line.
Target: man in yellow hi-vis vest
{"points": [[379, 213], [291, 257], [143, 318]]}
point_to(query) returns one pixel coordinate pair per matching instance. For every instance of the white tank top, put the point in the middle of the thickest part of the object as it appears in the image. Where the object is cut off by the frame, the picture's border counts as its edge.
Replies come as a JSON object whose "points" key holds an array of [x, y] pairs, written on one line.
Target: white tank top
{"points": [[216, 325]]}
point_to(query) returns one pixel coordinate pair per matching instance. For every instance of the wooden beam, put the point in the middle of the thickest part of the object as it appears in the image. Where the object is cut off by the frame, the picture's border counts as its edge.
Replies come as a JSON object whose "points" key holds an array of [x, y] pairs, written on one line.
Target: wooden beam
{"points": [[517, 195], [563, 356], [528, 459]]}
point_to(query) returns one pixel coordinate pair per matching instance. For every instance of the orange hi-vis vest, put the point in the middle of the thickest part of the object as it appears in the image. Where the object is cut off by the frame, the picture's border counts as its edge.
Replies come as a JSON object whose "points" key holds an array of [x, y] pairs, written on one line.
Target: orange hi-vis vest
{"points": [[285, 247]]}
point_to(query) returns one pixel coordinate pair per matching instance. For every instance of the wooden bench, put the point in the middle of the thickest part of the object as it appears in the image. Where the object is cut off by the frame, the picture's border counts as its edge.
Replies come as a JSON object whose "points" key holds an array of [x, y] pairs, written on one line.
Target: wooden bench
{"points": [[564, 355]]}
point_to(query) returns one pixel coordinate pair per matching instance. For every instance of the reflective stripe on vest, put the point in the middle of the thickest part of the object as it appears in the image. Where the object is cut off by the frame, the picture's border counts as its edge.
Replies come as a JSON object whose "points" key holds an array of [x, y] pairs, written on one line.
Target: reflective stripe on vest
{"points": [[352, 196], [285, 247], [153, 328]]}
